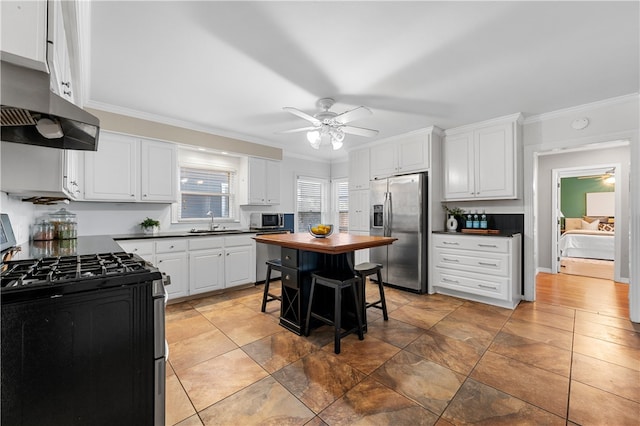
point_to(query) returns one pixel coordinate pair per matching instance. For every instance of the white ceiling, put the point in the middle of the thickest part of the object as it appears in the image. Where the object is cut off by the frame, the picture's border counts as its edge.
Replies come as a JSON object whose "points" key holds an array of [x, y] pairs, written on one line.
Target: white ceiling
{"points": [[230, 67]]}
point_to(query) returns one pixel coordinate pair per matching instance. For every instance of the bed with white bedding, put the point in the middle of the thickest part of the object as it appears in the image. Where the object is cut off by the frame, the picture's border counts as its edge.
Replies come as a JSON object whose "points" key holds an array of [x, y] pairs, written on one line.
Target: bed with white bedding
{"points": [[588, 244]]}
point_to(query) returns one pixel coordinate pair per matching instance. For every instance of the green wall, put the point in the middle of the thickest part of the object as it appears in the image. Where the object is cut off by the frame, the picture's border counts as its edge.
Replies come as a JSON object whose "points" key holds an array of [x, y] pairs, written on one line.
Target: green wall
{"points": [[573, 199]]}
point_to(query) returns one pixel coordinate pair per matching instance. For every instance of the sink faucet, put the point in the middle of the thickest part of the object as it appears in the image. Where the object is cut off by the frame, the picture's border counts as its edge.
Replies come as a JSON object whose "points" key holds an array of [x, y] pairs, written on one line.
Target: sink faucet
{"points": [[212, 227]]}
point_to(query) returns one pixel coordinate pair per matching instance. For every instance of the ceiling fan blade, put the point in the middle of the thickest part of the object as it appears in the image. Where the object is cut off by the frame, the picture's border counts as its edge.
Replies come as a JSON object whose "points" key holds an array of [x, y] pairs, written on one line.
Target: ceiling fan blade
{"points": [[302, 114], [360, 131], [354, 114], [301, 129]]}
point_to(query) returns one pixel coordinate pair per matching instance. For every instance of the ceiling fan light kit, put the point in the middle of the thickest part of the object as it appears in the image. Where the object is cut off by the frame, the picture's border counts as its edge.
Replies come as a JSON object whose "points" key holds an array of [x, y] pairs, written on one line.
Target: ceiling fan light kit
{"points": [[329, 127]]}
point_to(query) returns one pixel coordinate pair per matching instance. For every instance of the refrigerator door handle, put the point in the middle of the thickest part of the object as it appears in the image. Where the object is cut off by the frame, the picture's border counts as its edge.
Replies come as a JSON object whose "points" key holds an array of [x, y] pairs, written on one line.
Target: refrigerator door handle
{"points": [[387, 214]]}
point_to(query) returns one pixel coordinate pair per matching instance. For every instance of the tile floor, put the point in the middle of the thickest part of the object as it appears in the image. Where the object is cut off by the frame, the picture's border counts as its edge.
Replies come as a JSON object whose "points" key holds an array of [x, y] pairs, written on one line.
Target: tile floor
{"points": [[438, 360]]}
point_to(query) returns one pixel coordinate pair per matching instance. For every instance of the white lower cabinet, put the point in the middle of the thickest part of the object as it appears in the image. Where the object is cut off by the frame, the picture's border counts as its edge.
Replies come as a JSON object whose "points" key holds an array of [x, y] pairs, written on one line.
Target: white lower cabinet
{"points": [[206, 268], [175, 266], [482, 268], [198, 265]]}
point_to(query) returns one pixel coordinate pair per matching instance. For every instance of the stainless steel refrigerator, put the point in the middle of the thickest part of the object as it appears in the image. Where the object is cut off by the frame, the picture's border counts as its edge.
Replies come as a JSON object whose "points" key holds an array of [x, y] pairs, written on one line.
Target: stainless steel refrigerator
{"points": [[399, 209]]}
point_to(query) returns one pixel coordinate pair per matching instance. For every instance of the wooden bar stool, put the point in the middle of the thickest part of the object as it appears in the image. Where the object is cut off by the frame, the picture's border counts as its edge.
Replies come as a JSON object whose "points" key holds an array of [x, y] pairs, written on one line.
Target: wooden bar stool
{"points": [[364, 270], [337, 281], [272, 265]]}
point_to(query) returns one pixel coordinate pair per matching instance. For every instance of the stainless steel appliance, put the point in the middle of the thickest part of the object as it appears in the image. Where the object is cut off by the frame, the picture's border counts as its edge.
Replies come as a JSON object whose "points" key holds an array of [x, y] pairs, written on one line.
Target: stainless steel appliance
{"points": [[263, 221], [32, 114], [83, 341], [266, 252], [399, 209]]}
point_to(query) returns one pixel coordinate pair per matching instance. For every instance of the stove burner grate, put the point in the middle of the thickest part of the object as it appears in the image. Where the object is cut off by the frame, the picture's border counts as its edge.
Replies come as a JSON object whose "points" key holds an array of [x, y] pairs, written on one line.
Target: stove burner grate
{"points": [[54, 270]]}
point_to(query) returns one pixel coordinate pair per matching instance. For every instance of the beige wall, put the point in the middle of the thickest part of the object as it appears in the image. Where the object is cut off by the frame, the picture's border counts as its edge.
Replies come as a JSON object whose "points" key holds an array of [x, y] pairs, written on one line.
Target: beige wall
{"points": [[151, 129]]}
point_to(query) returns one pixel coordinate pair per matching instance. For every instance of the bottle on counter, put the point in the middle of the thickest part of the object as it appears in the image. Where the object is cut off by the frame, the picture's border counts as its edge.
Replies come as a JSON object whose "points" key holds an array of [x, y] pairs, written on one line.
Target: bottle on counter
{"points": [[476, 220], [469, 222], [483, 220]]}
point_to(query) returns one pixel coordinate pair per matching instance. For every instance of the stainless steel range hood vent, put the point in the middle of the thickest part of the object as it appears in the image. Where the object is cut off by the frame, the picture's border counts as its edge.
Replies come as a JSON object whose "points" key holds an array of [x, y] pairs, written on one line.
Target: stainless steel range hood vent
{"points": [[32, 114]]}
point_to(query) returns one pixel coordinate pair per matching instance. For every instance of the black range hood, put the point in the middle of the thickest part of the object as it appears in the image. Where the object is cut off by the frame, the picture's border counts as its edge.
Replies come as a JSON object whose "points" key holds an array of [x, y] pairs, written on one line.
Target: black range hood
{"points": [[32, 114]]}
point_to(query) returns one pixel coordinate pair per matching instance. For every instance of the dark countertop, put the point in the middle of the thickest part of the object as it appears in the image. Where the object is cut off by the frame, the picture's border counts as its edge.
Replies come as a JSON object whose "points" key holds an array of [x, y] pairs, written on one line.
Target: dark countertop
{"points": [[503, 234], [76, 247], [182, 234]]}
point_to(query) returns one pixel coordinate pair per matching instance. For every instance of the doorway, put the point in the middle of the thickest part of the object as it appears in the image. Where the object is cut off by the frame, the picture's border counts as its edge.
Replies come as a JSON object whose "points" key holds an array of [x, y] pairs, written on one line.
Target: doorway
{"points": [[586, 201]]}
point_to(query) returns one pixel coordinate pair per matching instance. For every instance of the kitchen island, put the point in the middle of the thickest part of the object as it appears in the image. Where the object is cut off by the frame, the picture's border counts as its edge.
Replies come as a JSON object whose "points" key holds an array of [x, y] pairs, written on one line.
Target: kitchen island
{"points": [[301, 255]]}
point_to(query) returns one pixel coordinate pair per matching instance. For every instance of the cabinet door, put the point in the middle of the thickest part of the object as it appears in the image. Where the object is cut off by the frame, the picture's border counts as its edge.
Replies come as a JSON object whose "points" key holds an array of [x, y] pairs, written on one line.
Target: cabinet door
{"points": [[175, 266], [239, 267], [459, 167], [414, 153], [158, 171], [58, 53], [359, 169], [494, 158], [206, 270], [24, 33], [257, 184], [111, 173], [383, 160], [359, 210], [272, 182], [71, 180]]}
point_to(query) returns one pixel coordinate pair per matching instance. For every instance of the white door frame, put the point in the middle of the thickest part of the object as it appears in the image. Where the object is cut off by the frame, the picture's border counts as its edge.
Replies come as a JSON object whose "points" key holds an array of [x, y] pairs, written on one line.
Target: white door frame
{"points": [[531, 154], [567, 172]]}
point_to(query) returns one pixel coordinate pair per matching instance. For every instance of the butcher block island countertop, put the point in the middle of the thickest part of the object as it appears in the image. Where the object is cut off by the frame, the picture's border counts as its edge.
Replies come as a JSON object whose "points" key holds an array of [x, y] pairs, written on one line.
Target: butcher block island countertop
{"points": [[334, 244]]}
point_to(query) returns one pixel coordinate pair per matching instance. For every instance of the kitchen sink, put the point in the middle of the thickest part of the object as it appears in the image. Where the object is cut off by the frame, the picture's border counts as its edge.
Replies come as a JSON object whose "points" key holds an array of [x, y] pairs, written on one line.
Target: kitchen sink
{"points": [[215, 231]]}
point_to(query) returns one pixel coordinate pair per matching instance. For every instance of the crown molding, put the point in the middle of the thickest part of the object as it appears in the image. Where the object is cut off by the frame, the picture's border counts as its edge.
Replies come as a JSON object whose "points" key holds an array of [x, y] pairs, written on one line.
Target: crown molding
{"points": [[581, 108]]}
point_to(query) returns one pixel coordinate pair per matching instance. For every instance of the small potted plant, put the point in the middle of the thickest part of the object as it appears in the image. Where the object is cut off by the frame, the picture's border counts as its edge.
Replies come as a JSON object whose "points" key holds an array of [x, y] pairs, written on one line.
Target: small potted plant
{"points": [[150, 226]]}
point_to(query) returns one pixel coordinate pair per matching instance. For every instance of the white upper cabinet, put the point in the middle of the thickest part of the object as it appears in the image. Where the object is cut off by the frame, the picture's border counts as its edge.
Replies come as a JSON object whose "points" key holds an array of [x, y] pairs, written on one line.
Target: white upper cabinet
{"points": [[407, 153], [158, 171], [111, 173], [58, 54], [49, 172], [481, 161], [126, 168], [24, 33], [359, 169], [262, 182]]}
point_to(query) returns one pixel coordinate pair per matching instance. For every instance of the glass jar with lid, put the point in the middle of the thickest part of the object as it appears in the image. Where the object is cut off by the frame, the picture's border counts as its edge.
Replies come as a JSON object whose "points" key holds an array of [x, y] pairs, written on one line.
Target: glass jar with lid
{"points": [[43, 230], [64, 223]]}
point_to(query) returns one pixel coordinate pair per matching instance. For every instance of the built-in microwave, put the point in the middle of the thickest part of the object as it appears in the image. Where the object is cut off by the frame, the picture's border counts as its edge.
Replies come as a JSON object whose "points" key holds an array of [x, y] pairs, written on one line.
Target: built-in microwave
{"points": [[266, 220]]}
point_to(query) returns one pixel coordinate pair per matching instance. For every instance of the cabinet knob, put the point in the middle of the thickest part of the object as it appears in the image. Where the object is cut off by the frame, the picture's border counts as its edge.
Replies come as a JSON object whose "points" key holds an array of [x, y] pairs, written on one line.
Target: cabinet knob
{"points": [[67, 93], [227, 254], [287, 277], [65, 83], [159, 261], [288, 257], [144, 195], [219, 254], [133, 195], [170, 247]]}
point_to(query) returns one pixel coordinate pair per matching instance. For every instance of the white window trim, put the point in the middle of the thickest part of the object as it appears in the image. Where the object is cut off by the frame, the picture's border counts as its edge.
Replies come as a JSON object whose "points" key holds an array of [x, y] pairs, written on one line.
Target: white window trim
{"points": [[325, 197], [175, 216]]}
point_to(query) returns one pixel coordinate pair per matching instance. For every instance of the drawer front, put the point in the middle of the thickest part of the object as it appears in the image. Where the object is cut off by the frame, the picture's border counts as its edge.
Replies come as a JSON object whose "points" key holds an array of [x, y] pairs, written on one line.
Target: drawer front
{"points": [[289, 277], [171, 246], [289, 257], [484, 263], [203, 243], [238, 240], [464, 242], [140, 247], [495, 287]]}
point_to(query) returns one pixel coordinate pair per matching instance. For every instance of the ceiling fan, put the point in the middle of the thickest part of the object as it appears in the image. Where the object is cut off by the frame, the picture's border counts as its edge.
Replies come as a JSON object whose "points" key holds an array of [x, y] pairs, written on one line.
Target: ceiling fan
{"points": [[607, 177], [330, 126]]}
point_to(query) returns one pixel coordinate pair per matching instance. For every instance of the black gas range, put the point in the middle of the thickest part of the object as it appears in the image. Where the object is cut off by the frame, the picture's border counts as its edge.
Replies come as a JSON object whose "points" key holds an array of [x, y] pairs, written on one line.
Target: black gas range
{"points": [[81, 335], [55, 276]]}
